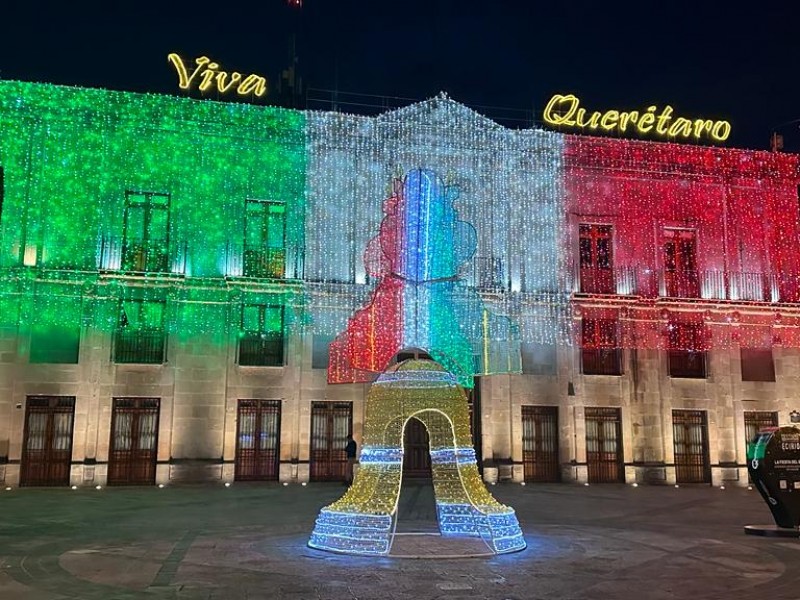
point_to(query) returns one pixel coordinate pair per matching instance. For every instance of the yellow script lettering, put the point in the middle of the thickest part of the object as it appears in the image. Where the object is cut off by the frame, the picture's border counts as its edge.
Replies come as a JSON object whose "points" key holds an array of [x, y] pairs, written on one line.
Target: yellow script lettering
{"points": [[252, 83], [211, 77], [701, 125], [632, 116], [681, 127], [235, 78], [565, 109], [721, 131], [609, 120], [646, 120], [184, 80], [663, 119], [552, 112]]}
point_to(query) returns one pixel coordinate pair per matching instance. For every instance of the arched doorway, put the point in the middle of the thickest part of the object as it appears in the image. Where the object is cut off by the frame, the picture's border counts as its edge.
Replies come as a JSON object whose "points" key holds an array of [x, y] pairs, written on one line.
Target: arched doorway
{"points": [[416, 504], [416, 451]]}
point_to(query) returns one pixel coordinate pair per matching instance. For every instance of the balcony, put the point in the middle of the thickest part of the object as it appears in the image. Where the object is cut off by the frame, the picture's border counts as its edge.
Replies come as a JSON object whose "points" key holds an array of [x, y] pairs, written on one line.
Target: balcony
{"points": [[709, 285], [685, 284], [597, 281], [155, 256], [139, 346], [264, 263], [758, 287]]}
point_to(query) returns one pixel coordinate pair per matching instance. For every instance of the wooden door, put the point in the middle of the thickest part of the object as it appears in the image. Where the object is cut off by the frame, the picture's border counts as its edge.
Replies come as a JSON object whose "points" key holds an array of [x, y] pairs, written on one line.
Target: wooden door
{"points": [[540, 443], [331, 423], [604, 445], [680, 264], [134, 441], [416, 450], [47, 441], [690, 441], [596, 259], [258, 432]]}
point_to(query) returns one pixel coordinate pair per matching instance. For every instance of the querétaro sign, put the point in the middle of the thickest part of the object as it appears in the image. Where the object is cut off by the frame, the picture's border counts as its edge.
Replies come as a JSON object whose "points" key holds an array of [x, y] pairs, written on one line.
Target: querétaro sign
{"points": [[565, 110], [773, 460]]}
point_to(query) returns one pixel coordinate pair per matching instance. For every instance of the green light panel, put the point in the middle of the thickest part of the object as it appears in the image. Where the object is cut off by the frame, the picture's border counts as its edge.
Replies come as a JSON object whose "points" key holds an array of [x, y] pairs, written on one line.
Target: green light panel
{"points": [[71, 157]]}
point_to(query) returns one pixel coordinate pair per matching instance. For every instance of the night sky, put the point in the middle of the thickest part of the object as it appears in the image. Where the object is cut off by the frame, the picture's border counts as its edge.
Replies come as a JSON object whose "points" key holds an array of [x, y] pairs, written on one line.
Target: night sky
{"points": [[706, 59]]}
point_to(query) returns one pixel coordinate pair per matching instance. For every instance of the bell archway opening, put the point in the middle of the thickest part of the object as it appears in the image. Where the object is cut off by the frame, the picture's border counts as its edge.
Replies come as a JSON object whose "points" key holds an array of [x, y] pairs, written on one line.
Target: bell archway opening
{"points": [[416, 451], [416, 504]]}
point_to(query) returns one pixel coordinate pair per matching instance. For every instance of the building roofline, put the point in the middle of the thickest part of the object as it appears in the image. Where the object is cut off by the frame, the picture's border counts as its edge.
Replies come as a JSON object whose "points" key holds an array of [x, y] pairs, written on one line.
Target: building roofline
{"points": [[397, 115]]}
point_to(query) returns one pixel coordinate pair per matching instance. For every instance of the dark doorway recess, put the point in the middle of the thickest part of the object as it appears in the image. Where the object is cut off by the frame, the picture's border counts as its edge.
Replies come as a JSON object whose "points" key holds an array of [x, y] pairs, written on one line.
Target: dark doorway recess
{"points": [[416, 450]]}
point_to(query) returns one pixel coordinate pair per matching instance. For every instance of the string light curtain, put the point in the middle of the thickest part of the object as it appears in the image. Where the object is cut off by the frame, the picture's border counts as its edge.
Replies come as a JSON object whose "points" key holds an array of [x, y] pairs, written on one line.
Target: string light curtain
{"points": [[508, 187], [700, 234], [73, 157]]}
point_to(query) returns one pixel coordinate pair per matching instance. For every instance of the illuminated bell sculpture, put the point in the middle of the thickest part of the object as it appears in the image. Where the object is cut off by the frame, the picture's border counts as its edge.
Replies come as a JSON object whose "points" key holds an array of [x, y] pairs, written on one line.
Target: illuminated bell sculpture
{"points": [[363, 521], [419, 303]]}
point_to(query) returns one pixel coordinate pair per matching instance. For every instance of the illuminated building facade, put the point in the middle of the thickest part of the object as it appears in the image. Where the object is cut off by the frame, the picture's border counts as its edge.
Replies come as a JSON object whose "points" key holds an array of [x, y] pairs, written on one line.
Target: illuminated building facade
{"points": [[192, 290]]}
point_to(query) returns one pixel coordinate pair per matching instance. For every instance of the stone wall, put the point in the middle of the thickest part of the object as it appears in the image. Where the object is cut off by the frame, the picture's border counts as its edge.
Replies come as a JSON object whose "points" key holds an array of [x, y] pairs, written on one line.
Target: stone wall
{"points": [[200, 383]]}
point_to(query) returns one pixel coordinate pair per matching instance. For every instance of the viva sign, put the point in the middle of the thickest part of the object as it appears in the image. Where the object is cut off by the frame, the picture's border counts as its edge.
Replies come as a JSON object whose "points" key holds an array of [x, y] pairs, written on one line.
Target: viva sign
{"points": [[207, 76]]}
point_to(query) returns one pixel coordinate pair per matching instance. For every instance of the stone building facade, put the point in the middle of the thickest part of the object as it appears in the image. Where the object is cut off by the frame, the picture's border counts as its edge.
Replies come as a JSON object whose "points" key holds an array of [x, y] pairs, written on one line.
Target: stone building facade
{"points": [[173, 273]]}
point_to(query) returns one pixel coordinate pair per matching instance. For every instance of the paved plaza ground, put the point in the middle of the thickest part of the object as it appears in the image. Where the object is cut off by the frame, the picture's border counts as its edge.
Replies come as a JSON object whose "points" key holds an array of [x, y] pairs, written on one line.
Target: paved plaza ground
{"points": [[248, 542]]}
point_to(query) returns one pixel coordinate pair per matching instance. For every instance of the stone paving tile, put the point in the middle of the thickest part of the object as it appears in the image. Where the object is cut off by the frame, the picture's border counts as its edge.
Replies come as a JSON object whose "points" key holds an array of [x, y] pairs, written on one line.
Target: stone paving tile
{"points": [[249, 542]]}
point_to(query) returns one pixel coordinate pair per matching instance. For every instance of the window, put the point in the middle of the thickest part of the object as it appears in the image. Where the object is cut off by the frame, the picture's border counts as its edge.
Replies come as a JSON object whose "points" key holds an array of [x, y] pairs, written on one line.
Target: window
{"points": [[261, 337], [538, 359], [757, 364], [687, 356], [55, 328], [596, 259], [321, 351], [145, 245], [55, 344], [264, 239], [140, 336], [600, 354], [680, 264], [756, 420]]}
